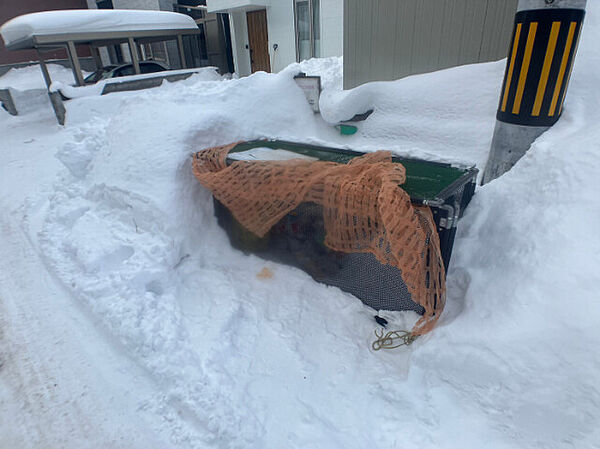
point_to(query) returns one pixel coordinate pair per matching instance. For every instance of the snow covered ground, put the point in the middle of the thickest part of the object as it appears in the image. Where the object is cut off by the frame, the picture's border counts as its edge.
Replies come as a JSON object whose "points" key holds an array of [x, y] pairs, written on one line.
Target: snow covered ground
{"points": [[127, 320], [30, 77], [71, 91], [28, 88]]}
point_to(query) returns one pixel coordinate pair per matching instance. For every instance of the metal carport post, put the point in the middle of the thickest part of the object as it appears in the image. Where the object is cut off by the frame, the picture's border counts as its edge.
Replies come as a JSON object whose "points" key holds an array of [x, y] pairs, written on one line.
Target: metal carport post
{"points": [[181, 51], [74, 59], [55, 98], [135, 59]]}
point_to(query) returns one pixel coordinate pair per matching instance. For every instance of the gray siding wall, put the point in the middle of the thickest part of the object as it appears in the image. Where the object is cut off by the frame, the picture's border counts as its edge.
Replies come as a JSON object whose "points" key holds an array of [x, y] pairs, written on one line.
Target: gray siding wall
{"points": [[390, 39]]}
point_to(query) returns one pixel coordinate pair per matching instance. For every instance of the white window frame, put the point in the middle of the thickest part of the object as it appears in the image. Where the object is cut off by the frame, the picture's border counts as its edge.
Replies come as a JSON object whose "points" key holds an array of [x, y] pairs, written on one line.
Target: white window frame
{"points": [[311, 15]]}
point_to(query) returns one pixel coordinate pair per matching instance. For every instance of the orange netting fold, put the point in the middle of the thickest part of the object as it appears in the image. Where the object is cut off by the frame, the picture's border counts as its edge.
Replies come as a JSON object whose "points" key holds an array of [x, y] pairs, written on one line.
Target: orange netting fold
{"points": [[364, 208]]}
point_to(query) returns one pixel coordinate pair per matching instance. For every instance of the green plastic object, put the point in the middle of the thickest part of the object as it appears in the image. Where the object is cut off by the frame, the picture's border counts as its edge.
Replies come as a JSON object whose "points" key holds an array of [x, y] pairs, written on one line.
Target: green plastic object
{"points": [[426, 182], [347, 130]]}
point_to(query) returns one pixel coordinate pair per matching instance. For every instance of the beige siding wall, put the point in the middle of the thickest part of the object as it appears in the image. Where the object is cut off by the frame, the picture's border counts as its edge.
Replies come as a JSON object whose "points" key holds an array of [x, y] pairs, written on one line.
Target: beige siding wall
{"points": [[390, 39]]}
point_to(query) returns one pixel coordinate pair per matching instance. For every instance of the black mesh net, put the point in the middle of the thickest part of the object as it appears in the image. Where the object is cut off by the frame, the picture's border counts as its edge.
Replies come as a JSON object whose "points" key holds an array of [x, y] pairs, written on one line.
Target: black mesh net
{"points": [[298, 240]]}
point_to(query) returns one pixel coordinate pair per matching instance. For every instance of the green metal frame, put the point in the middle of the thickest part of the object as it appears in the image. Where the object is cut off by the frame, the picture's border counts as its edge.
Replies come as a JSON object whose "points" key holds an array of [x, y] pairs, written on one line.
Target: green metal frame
{"points": [[427, 182]]}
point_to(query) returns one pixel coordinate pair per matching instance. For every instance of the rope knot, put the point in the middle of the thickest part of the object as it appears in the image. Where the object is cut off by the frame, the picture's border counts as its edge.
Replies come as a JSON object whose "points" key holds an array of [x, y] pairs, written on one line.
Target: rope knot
{"points": [[392, 339]]}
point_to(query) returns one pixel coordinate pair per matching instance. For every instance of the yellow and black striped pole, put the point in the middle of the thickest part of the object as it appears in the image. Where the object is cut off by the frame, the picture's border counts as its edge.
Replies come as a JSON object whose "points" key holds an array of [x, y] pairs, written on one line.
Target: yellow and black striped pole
{"points": [[540, 60]]}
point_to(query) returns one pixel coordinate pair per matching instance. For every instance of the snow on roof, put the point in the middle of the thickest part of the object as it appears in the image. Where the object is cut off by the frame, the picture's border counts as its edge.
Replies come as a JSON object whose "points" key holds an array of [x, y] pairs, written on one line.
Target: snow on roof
{"points": [[91, 21]]}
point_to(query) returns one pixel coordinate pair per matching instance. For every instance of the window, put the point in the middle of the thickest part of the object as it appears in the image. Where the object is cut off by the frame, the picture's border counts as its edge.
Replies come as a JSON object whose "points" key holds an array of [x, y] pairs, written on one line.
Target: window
{"points": [[124, 71], [104, 4], [308, 29], [150, 67], [154, 51]]}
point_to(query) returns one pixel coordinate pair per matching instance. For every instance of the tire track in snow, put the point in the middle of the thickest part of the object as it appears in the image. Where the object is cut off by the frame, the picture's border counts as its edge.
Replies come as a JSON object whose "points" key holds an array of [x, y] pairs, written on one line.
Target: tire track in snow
{"points": [[46, 366]]}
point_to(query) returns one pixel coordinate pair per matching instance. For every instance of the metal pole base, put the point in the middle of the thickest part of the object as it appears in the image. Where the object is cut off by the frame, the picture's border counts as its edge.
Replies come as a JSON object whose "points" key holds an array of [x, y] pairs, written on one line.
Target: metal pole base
{"points": [[539, 65], [509, 144], [58, 106]]}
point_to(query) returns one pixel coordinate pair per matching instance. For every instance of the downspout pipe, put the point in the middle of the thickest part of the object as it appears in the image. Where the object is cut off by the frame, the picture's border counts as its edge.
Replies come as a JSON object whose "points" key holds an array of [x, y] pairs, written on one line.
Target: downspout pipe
{"points": [[540, 60]]}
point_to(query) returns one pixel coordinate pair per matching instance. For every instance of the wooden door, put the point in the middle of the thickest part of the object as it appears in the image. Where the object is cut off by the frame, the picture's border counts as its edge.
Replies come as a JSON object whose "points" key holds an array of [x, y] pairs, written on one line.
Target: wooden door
{"points": [[258, 40]]}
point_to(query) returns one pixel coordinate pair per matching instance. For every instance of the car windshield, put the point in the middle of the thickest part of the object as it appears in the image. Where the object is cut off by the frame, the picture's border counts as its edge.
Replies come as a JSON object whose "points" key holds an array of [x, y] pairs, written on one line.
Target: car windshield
{"points": [[97, 75], [106, 75], [124, 70], [151, 67]]}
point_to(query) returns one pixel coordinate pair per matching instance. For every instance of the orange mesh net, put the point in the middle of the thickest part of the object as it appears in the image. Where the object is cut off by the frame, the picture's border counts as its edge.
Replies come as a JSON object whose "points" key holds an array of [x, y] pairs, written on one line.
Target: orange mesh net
{"points": [[364, 208]]}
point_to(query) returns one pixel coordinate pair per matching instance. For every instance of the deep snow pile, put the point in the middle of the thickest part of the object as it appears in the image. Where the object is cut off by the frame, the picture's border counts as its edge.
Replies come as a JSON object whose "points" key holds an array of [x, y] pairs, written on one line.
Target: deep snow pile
{"points": [[443, 115], [31, 77], [243, 361], [28, 88], [70, 91], [331, 71]]}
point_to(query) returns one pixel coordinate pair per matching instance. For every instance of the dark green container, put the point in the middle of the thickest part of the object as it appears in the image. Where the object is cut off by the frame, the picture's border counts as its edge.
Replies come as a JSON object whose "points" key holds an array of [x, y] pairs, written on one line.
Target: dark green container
{"points": [[298, 238]]}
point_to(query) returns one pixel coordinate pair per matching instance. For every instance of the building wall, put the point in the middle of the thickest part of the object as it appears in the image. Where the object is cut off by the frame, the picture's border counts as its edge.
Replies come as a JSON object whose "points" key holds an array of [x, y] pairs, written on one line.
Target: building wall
{"points": [[10, 9], [332, 28], [390, 39], [280, 24], [233, 4], [281, 30]]}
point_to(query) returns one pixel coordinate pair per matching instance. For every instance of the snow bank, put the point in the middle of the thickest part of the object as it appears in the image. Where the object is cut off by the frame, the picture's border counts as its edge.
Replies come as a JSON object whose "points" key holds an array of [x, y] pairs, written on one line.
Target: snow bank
{"points": [[447, 115], [242, 361], [28, 88], [91, 21], [131, 232], [331, 71], [198, 74], [444, 116], [30, 77]]}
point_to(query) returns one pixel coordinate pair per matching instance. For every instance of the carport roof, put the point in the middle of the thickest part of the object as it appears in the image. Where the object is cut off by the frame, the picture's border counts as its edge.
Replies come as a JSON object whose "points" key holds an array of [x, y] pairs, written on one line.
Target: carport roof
{"points": [[97, 27]]}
